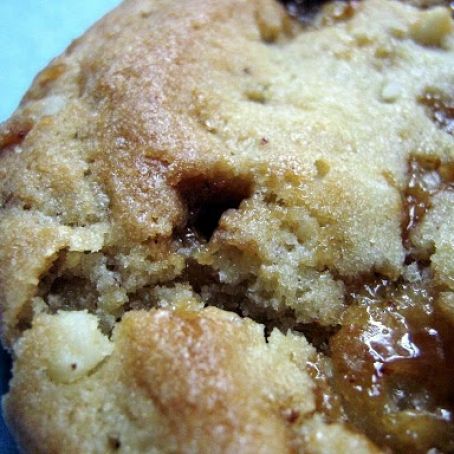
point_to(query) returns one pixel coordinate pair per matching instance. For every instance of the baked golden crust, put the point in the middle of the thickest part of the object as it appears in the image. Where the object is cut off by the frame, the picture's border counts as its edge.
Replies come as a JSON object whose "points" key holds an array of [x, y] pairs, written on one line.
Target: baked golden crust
{"points": [[217, 386], [218, 152]]}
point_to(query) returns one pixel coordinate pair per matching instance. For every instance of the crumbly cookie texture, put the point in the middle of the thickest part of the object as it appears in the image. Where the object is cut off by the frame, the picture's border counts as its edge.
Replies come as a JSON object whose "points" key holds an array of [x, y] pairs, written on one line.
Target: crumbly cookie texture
{"points": [[176, 381], [189, 154]]}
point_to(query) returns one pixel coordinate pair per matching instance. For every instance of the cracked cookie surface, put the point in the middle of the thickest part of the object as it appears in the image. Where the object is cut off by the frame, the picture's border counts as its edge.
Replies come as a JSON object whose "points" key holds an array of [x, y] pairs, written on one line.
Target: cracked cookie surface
{"points": [[185, 155]]}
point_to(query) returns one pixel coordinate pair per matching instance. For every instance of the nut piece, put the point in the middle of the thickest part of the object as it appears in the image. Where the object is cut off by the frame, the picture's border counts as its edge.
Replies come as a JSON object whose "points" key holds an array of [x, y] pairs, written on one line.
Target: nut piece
{"points": [[432, 27]]}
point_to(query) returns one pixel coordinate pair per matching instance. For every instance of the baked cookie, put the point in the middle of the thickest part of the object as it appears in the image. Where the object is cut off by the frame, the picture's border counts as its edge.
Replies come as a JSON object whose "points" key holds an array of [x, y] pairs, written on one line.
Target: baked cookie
{"points": [[224, 229]]}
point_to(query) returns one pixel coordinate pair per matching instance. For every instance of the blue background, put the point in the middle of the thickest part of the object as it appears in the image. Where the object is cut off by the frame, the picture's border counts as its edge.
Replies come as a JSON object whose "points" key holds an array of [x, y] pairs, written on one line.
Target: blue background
{"points": [[31, 34]]}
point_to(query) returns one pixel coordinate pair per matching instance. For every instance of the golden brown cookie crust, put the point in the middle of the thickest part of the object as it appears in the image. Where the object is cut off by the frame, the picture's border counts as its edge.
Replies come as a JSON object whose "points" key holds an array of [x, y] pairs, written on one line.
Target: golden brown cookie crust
{"points": [[219, 153]]}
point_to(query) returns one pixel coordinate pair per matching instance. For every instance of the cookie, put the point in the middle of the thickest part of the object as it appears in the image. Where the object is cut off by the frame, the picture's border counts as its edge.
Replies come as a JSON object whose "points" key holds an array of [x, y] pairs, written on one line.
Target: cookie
{"points": [[226, 226]]}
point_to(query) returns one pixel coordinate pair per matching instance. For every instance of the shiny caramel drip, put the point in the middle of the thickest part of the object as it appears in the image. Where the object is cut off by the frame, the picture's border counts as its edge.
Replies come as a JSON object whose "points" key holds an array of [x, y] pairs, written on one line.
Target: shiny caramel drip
{"points": [[393, 363]]}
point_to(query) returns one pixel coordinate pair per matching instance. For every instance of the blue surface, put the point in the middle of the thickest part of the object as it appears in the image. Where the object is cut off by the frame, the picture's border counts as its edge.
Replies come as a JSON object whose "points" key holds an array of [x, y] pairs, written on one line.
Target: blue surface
{"points": [[31, 34]]}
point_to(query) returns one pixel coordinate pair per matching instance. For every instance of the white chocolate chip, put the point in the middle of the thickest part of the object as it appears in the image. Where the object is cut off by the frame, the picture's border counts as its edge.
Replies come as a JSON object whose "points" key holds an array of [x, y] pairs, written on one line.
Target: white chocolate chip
{"points": [[77, 347], [391, 91], [51, 105]]}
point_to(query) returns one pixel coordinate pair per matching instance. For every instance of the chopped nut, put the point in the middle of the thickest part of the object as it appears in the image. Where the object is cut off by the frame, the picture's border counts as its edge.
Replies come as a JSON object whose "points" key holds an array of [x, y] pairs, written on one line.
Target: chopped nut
{"points": [[432, 27]]}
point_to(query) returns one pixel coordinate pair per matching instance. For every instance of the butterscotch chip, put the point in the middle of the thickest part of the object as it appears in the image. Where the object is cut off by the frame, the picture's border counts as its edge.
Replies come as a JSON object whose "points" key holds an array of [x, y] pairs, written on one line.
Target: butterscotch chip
{"points": [[226, 226]]}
